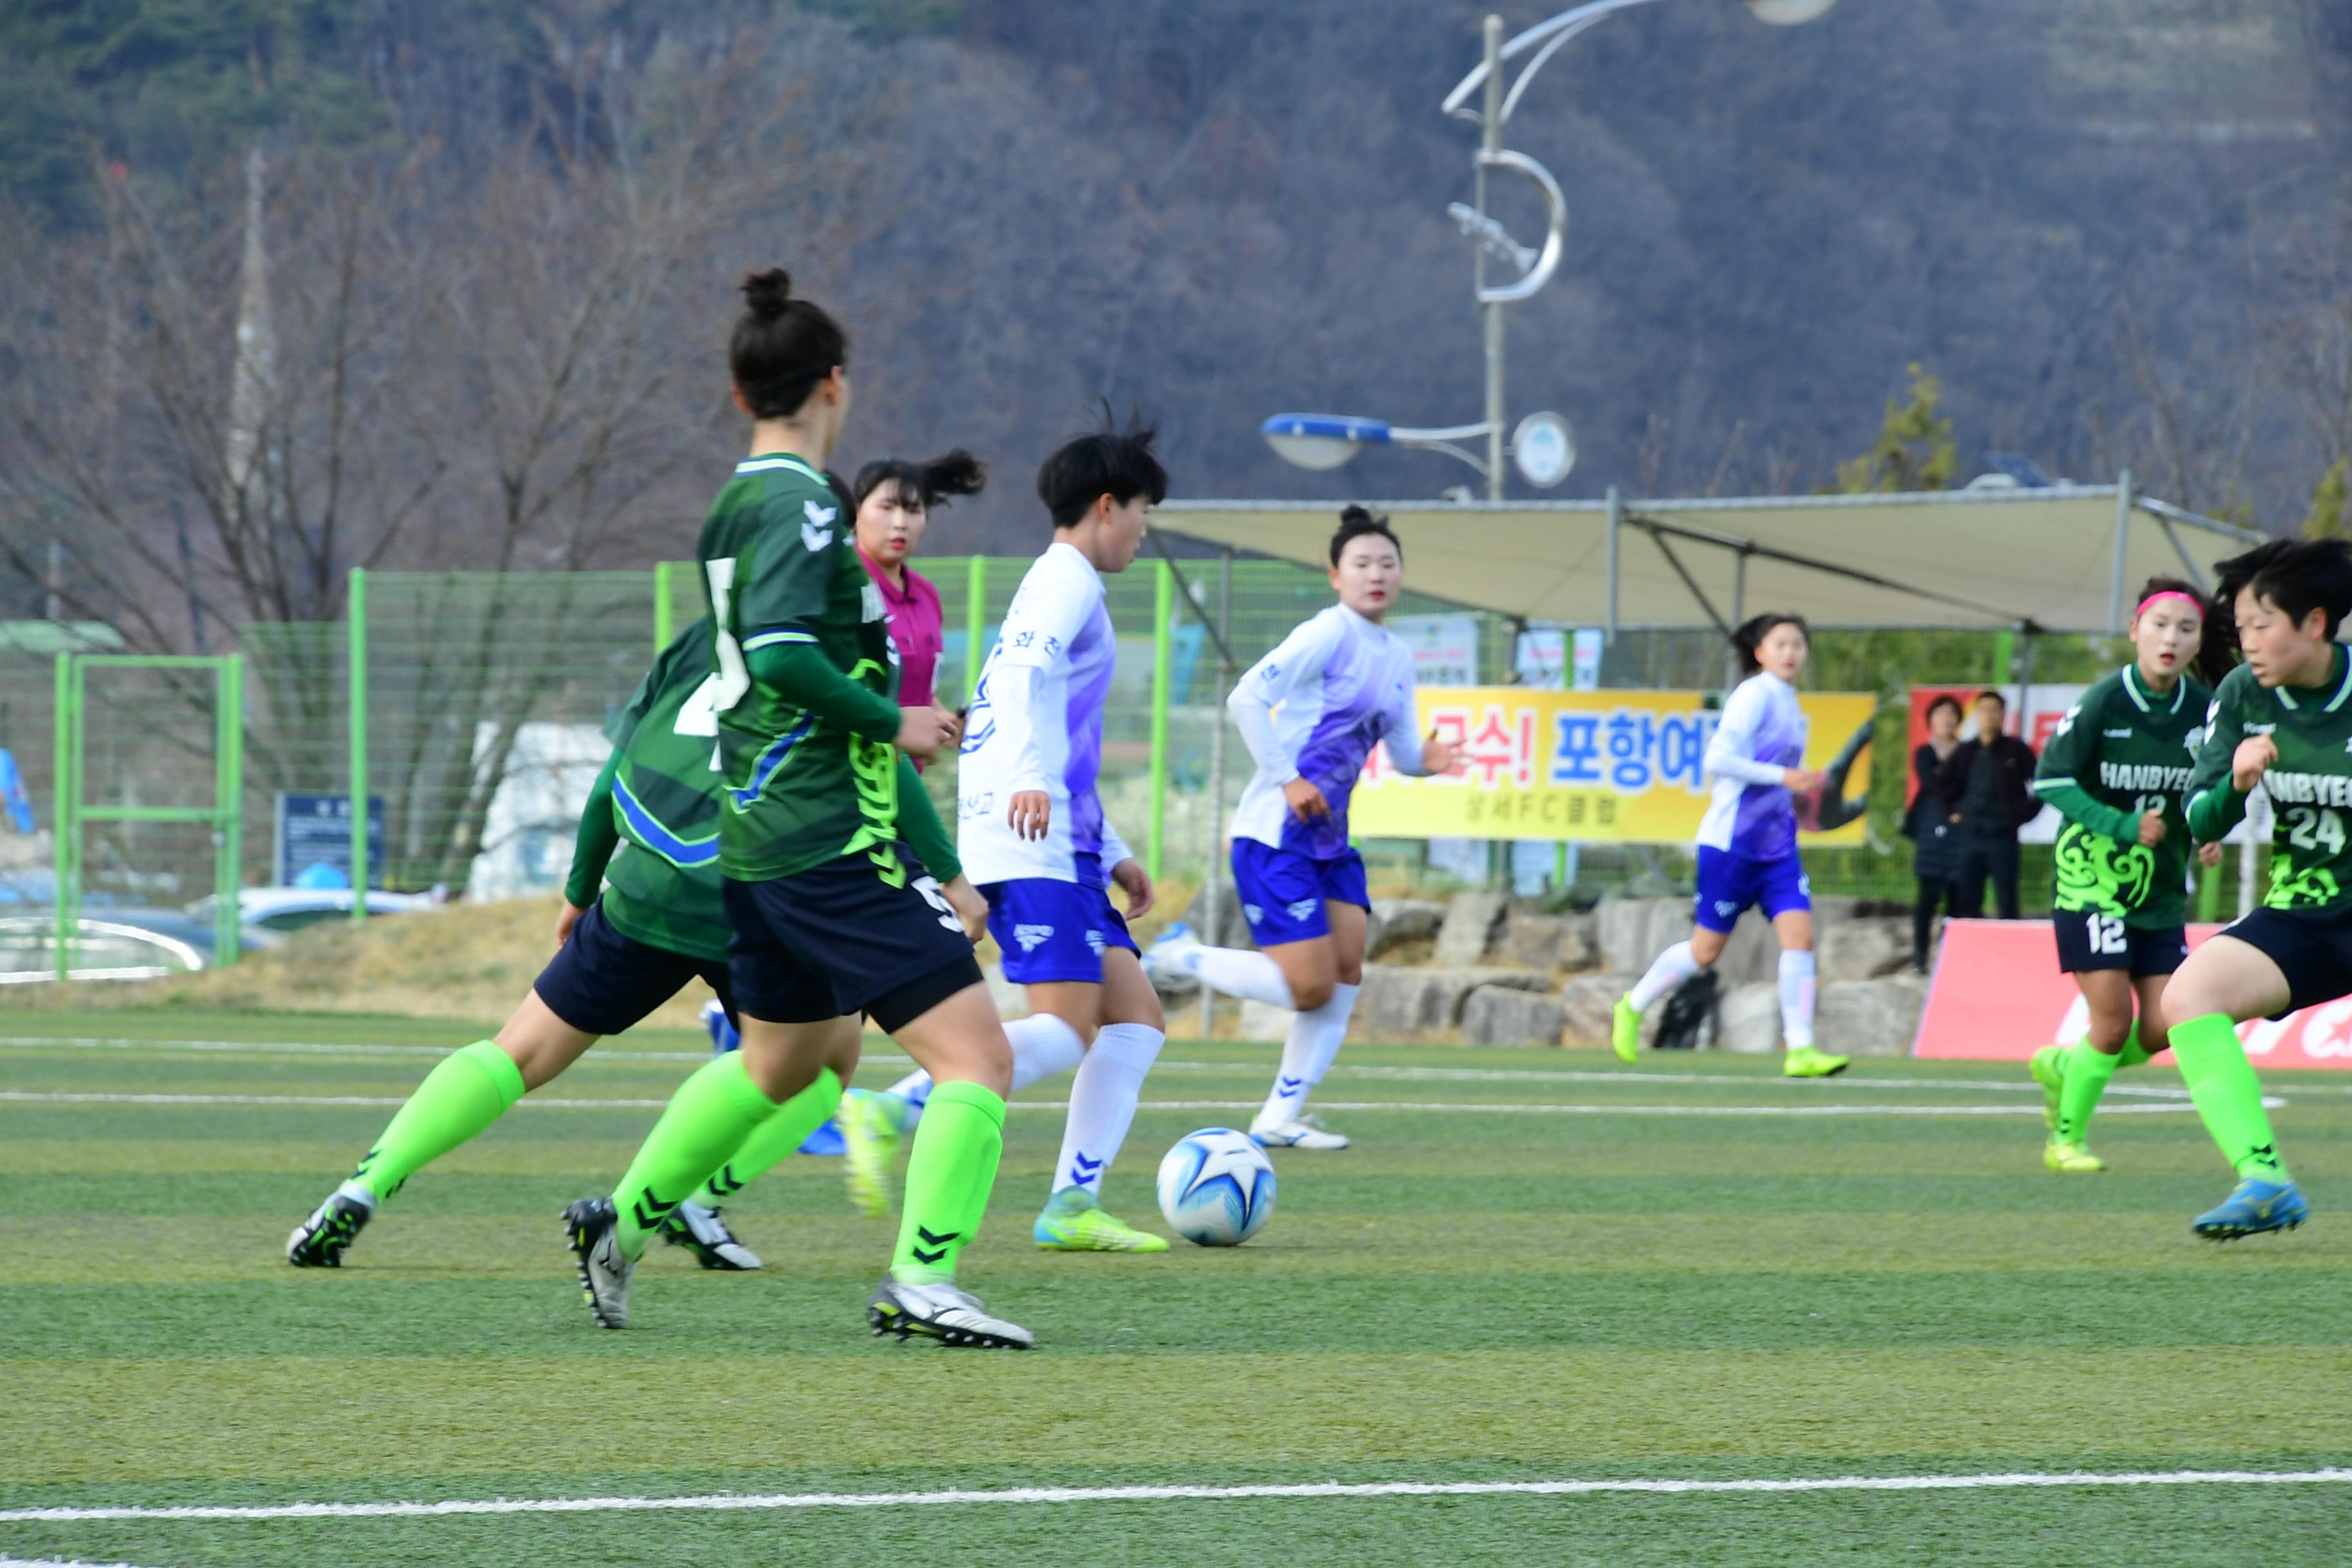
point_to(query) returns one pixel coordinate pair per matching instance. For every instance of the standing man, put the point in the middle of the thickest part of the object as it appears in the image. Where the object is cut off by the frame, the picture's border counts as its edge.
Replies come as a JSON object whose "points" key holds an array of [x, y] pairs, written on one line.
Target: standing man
{"points": [[1987, 785]]}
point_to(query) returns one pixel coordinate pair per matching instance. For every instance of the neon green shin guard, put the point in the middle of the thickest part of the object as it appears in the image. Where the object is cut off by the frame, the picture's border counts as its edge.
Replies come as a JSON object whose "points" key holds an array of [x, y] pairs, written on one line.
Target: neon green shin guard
{"points": [[2088, 1070], [2229, 1096], [706, 1121], [768, 1144], [949, 1174], [464, 1092]]}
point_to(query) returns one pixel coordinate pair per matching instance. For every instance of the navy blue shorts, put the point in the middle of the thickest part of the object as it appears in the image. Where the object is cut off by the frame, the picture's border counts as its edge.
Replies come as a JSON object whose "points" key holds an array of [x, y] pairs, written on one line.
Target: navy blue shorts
{"points": [[1052, 930], [1729, 884], [1283, 892], [2312, 949], [869, 932], [603, 981], [2088, 940]]}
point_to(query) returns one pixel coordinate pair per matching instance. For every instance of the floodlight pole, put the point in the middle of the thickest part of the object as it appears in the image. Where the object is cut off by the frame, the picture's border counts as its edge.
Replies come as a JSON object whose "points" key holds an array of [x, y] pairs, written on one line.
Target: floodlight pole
{"points": [[1490, 145]]}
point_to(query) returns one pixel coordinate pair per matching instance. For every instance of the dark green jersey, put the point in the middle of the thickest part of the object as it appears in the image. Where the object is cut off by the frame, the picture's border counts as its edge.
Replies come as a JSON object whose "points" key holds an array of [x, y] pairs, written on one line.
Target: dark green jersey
{"points": [[779, 568], [2310, 786], [2120, 752], [663, 887]]}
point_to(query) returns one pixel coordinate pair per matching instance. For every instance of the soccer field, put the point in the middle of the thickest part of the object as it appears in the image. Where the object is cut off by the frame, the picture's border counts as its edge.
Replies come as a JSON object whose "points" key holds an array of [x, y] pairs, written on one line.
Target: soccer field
{"points": [[1534, 1266]]}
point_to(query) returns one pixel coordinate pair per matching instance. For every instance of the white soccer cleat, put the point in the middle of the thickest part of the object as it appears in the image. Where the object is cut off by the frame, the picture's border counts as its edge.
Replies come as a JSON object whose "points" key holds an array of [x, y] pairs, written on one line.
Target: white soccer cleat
{"points": [[701, 1231], [1166, 958], [1307, 1132], [941, 1312]]}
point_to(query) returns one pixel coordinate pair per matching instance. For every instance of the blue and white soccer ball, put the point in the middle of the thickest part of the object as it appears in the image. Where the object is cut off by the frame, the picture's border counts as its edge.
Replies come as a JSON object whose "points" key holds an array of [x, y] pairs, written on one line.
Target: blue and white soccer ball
{"points": [[1216, 1187]]}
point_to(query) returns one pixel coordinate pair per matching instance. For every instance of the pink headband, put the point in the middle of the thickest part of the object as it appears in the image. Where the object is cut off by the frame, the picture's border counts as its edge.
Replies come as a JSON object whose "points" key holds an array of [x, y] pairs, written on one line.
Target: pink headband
{"points": [[2158, 598]]}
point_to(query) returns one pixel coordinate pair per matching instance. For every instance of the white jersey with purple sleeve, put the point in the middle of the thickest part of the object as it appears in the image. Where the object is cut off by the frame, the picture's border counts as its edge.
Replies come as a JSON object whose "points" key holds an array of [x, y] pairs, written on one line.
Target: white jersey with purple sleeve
{"points": [[1036, 724], [1314, 709], [1761, 733]]}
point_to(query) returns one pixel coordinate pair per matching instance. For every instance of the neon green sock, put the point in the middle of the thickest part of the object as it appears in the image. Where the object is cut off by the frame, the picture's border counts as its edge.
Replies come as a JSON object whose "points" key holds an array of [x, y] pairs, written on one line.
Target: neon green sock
{"points": [[2134, 1054], [707, 1120], [768, 1144], [464, 1092], [2227, 1095], [2088, 1069], [949, 1171]]}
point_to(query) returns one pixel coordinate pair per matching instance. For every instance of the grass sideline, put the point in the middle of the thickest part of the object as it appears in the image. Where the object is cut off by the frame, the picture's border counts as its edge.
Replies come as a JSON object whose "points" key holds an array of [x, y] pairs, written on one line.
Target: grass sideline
{"points": [[1469, 1296]]}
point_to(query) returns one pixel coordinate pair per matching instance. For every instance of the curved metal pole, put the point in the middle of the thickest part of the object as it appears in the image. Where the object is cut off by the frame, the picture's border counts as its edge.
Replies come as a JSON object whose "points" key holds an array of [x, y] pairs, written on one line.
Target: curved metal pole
{"points": [[1541, 33], [1555, 228]]}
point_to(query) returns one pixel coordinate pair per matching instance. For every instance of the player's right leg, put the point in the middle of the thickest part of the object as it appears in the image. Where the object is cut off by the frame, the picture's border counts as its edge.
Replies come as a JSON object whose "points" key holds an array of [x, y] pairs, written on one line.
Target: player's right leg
{"points": [[874, 1121], [2094, 949], [2266, 963], [599, 982], [1269, 882], [1725, 889]]}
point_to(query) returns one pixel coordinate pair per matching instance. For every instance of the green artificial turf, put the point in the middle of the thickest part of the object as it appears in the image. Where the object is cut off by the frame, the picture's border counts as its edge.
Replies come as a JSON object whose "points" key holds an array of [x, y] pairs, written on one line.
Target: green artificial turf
{"points": [[1641, 1287]]}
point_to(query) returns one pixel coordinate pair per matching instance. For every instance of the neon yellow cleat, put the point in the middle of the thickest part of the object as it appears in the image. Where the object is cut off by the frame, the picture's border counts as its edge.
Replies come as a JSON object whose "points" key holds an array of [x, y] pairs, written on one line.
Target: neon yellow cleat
{"points": [[2049, 1069], [2071, 1159], [869, 1136], [1806, 1062], [1073, 1222], [1625, 1029]]}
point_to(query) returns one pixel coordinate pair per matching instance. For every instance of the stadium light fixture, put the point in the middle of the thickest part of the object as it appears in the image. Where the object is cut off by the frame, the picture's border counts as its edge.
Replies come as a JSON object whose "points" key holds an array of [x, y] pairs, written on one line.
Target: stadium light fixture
{"points": [[1543, 446]]}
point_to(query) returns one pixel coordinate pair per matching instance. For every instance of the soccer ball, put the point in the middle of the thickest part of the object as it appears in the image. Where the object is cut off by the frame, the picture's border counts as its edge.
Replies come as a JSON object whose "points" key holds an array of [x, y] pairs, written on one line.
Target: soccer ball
{"points": [[1216, 1187]]}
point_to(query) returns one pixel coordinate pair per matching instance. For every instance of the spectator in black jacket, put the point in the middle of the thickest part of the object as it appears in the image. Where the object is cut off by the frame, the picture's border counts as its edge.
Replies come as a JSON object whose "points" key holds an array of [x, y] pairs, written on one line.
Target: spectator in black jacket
{"points": [[1935, 851], [1987, 785]]}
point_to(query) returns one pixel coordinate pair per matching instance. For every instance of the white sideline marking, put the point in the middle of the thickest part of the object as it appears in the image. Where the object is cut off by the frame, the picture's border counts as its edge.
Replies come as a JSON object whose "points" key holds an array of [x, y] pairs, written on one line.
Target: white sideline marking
{"points": [[58, 1563], [62, 1097], [738, 1501]]}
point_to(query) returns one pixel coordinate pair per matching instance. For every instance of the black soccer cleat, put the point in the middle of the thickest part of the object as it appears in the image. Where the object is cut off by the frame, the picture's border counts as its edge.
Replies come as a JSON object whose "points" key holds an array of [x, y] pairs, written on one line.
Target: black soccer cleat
{"points": [[320, 1241], [590, 1225], [701, 1231], [941, 1312]]}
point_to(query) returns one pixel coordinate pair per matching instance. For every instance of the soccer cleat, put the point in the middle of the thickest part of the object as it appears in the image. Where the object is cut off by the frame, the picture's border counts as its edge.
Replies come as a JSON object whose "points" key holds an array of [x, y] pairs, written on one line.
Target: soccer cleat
{"points": [[2070, 1159], [1803, 1061], [1073, 1222], [1306, 1133], [2049, 1069], [1625, 1029], [591, 1226], [941, 1311], [1164, 959], [870, 1137], [319, 1242], [701, 1231], [2253, 1208]]}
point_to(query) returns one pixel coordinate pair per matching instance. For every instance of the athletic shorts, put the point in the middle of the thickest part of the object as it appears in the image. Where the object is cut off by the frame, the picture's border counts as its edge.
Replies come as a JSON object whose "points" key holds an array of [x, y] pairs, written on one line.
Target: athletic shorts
{"points": [[1730, 885], [869, 932], [2312, 949], [2088, 940], [1283, 892], [1052, 930], [603, 981]]}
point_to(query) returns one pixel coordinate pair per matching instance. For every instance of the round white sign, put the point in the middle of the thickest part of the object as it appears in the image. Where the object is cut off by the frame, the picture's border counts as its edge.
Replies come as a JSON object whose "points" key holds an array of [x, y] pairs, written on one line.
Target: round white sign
{"points": [[1543, 449]]}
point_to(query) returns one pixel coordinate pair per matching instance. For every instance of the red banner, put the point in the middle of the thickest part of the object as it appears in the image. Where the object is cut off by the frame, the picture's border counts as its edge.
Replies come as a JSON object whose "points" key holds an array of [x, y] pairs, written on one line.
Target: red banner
{"points": [[1997, 995]]}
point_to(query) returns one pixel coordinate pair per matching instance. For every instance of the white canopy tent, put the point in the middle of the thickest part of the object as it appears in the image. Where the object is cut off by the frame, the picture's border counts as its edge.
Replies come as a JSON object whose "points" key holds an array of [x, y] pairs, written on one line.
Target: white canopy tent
{"points": [[2064, 559]]}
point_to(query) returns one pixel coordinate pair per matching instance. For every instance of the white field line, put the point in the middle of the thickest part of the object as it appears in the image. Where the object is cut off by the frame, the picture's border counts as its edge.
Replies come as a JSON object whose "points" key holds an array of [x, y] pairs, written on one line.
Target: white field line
{"points": [[62, 1097], [724, 1502], [6, 1562]]}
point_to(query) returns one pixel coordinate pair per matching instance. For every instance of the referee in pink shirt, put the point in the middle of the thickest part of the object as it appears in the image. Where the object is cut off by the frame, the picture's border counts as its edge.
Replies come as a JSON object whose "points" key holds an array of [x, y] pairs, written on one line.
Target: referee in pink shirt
{"points": [[895, 499]]}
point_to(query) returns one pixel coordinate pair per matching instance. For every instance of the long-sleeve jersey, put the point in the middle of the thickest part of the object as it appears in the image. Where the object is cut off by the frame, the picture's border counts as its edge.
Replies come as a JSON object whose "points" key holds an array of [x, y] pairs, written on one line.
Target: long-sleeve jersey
{"points": [[1036, 723], [2118, 753], [1761, 735], [2310, 785], [1314, 709]]}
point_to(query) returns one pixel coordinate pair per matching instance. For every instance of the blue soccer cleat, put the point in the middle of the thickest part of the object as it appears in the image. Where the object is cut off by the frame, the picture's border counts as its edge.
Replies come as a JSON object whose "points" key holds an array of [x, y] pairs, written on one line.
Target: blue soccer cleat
{"points": [[2253, 1208]]}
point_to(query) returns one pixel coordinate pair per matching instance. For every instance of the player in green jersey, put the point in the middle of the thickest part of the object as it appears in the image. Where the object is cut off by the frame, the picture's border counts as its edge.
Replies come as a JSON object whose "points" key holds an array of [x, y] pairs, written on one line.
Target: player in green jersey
{"points": [[833, 914], [2284, 720], [660, 924], [2117, 770]]}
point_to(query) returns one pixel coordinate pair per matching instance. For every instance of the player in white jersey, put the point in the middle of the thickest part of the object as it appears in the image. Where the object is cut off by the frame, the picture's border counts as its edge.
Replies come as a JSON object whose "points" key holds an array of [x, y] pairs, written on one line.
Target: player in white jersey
{"points": [[1040, 849], [1747, 845], [1311, 711]]}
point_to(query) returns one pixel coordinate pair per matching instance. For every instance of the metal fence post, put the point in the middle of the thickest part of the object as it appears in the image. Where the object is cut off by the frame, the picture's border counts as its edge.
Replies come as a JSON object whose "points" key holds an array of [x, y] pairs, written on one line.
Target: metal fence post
{"points": [[664, 614], [355, 611], [62, 824], [975, 623], [1211, 883], [1163, 603], [228, 830]]}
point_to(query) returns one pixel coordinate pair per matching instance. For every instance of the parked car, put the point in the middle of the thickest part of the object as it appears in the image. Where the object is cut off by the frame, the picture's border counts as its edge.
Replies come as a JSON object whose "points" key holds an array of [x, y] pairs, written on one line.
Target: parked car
{"points": [[116, 944], [284, 909]]}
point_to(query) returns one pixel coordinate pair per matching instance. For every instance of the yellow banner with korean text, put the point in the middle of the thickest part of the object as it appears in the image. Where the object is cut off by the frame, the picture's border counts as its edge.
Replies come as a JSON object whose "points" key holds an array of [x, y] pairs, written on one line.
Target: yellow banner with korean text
{"points": [[1623, 767]]}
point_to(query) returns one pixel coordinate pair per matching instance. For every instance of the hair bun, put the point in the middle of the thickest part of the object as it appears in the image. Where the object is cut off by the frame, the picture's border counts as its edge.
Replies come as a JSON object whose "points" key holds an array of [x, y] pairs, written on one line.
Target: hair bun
{"points": [[765, 294]]}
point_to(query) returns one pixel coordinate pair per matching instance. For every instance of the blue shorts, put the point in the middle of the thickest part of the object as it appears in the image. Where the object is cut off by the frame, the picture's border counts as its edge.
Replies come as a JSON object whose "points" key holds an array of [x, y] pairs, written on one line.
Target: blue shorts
{"points": [[1728, 885], [603, 980], [1283, 892], [1051, 931]]}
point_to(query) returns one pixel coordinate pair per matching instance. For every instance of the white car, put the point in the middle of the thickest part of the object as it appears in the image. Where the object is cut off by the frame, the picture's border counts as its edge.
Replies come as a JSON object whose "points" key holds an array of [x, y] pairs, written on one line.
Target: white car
{"points": [[284, 909]]}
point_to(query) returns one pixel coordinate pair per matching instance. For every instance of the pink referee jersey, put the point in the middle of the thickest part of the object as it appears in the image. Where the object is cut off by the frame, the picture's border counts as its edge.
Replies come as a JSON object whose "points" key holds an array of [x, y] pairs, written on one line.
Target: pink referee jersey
{"points": [[914, 622]]}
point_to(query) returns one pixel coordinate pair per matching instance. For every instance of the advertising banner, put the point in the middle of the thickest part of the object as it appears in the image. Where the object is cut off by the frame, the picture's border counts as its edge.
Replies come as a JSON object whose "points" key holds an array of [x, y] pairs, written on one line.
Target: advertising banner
{"points": [[1592, 766], [1997, 995]]}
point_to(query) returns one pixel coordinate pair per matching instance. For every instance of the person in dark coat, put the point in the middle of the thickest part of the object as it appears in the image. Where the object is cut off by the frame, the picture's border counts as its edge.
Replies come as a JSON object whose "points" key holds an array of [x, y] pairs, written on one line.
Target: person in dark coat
{"points": [[1987, 785], [1934, 859]]}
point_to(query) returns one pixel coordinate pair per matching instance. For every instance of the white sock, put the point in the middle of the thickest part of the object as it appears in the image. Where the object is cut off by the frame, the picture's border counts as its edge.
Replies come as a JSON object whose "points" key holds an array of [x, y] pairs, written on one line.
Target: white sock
{"points": [[1042, 1045], [1238, 972], [1796, 1000], [1673, 967], [1307, 1056], [1102, 1102]]}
